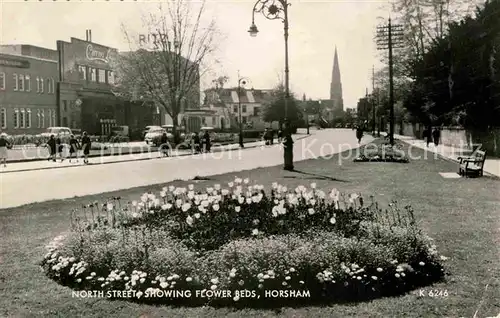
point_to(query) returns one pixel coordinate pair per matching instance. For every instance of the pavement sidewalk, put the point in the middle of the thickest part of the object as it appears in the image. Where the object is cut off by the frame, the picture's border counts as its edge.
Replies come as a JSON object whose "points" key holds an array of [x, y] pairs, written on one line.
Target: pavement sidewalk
{"points": [[491, 166], [45, 164]]}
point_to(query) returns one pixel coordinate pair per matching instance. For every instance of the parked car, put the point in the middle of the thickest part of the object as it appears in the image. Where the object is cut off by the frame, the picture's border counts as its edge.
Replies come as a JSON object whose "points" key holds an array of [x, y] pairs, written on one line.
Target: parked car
{"points": [[119, 134], [170, 132], [153, 135], [148, 129]]}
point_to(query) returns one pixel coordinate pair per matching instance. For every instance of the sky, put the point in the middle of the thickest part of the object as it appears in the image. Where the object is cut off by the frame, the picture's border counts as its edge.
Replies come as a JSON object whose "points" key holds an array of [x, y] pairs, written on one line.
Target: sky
{"points": [[316, 27]]}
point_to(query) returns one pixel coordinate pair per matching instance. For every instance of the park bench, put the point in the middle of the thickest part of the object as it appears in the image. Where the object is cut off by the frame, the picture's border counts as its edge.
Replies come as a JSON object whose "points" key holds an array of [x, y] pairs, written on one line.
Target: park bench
{"points": [[472, 165]]}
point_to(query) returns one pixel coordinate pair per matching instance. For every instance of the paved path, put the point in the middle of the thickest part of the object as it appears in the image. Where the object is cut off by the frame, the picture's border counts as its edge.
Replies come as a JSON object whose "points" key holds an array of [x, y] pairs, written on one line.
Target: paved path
{"points": [[491, 166], [21, 188]]}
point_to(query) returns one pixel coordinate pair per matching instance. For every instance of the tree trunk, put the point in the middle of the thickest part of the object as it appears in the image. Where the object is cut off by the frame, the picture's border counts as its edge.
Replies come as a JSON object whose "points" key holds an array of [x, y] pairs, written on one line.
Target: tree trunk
{"points": [[175, 124]]}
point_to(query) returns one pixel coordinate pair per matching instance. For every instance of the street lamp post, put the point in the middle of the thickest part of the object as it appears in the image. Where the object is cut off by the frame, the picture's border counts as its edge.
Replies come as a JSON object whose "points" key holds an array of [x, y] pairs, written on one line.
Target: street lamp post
{"points": [[241, 82], [278, 10]]}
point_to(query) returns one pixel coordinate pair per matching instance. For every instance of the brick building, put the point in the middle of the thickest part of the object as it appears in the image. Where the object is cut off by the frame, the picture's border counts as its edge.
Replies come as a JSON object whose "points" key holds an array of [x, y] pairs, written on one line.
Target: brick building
{"points": [[28, 99]]}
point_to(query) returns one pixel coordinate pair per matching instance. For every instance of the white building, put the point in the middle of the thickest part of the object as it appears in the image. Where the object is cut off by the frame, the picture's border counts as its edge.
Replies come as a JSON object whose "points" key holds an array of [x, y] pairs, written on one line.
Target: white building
{"points": [[224, 107]]}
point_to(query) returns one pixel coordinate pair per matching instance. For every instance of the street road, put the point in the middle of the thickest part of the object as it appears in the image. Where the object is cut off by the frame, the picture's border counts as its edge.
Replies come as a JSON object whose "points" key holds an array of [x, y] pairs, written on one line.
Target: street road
{"points": [[19, 188]]}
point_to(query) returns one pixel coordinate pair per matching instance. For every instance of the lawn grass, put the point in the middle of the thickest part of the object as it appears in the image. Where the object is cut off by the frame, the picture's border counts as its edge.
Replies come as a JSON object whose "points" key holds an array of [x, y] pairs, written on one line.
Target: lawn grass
{"points": [[462, 215]]}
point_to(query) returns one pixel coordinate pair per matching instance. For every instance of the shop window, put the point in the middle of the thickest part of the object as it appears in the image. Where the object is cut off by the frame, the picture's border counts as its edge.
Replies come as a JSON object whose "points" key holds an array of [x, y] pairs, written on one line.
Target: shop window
{"points": [[93, 75], [110, 77], [3, 118], [101, 76]]}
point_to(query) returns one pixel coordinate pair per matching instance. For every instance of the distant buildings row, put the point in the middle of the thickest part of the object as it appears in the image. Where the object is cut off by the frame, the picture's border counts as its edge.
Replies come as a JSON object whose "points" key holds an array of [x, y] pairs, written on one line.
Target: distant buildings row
{"points": [[72, 86]]}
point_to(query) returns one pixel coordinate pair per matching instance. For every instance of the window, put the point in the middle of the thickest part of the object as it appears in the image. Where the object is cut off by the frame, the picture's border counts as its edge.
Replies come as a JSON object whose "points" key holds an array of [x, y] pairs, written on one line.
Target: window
{"points": [[93, 75], [28, 118], [3, 118], [65, 105], [65, 122], [41, 85], [2, 80], [82, 70], [21, 83], [27, 80], [102, 76], [22, 118], [256, 111], [38, 84], [53, 85], [16, 118], [49, 86], [42, 114], [214, 121], [110, 77], [235, 109], [16, 83], [243, 119], [243, 108], [38, 119]]}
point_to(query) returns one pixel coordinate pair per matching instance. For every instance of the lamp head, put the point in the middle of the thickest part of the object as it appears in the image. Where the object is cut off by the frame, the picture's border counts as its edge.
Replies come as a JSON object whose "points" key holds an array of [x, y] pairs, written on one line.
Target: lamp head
{"points": [[253, 30]]}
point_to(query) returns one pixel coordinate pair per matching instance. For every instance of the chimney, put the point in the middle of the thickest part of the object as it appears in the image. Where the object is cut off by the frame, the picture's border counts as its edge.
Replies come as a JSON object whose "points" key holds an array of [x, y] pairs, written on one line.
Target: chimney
{"points": [[87, 35], [90, 35]]}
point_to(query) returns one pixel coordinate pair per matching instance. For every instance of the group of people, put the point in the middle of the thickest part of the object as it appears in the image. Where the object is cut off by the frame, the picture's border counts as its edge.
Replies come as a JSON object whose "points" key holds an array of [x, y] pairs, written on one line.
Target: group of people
{"points": [[56, 148], [269, 136], [432, 135], [201, 142]]}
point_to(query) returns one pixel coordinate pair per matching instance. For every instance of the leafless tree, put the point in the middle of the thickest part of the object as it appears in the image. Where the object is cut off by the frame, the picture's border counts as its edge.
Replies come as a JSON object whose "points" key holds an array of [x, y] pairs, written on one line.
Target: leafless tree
{"points": [[164, 66]]}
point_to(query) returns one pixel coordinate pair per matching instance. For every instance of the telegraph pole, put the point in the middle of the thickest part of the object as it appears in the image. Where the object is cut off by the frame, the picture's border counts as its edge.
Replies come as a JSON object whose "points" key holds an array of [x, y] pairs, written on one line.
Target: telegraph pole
{"points": [[373, 99], [390, 36]]}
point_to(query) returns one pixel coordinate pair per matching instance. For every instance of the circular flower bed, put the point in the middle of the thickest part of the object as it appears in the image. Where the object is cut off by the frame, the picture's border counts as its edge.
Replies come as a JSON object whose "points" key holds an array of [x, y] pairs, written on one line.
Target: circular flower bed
{"points": [[241, 245]]}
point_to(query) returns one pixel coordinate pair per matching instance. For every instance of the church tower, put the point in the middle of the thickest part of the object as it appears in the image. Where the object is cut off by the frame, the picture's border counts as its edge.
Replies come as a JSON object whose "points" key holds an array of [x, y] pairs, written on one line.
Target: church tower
{"points": [[336, 84]]}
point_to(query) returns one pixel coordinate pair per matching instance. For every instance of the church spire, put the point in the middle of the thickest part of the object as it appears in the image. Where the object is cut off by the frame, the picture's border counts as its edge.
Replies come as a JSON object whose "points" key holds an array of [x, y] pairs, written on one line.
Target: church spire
{"points": [[336, 83]]}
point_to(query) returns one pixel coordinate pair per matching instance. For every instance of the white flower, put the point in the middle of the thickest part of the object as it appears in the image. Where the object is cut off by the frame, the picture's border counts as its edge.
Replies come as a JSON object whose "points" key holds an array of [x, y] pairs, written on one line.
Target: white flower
{"points": [[260, 276], [379, 269], [397, 275], [216, 207], [109, 206], [190, 195], [275, 185], [421, 263], [237, 209], [214, 281], [248, 200], [189, 279], [201, 209], [232, 274], [255, 232], [443, 258], [236, 298], [230, 184], [178, 203], [189, 220], [237, 180], [374, 277], [246, 181], [163, 194], [288, 278], [332, 220], [310, 211], [354, 196], [171, 188], [134, 203], [205, 203], [313, 185], [225, 192], [197, 215], [186, 207], [191, 187], [312, 202]]}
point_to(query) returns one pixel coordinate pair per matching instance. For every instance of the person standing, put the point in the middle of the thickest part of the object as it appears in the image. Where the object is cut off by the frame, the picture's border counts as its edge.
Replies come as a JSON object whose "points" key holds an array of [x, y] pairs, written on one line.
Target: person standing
{"points": [[359, 133], [164, 145], [86, 144], [428, 135], [60, 148], [4, 143], [73, 148], [207, 142], [436, 134], [197, 142], [280, 136], [52, 144]]}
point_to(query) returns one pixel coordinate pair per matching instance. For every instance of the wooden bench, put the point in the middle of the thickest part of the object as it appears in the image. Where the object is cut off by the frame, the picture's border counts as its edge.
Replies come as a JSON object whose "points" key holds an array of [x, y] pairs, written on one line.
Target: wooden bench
{"points": [[473, 165]]}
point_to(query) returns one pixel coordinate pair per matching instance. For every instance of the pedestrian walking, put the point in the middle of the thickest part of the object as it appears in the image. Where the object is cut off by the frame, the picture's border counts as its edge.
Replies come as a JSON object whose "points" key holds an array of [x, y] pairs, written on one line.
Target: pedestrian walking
{"points": [[436, 134], [74, 145], [359, 133], [60, 148], [4, 143], [52, 145], [86, 144], [428, 135], [164, 145], [197, 143], [207, 141]]}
